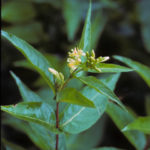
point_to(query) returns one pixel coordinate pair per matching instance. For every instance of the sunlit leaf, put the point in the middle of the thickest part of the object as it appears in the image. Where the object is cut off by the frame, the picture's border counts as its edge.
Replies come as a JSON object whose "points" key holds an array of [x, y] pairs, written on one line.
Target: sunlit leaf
{"points": [[110, 68], [141, 123], [85, 41], [72, 115], [35, 112], [72, 96], [100, 87]]}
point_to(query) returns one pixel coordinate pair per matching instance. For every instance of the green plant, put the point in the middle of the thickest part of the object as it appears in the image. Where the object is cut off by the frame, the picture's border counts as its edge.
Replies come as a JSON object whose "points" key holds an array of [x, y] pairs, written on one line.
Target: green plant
{"points": [[69, 110]]}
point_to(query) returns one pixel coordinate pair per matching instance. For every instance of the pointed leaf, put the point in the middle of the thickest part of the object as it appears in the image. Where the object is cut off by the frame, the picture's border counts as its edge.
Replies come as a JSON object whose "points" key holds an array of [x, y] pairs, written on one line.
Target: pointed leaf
{"points": [[72, 96], [36, 112], [141, 69], [97, 27], [39, 62], [85, 42], [101, 88], [141, 123], [72, 9], [110, 68], [121, 118], [26, 94], [71, 115]]}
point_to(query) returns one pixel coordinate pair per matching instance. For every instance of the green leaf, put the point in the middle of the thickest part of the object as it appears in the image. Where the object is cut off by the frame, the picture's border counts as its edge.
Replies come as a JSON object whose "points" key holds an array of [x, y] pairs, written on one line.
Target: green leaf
{"points": [[85, 41], [11, 146], [141, 123], [36, 112], [87, 139], [147, 105], [72, 115], [26, 94], [72, 9], [39, 62], [104, 67], [107, 148], [97, 28], [100, 87], [121, 118], [143, 9], [32, 32], [18, 12], [41, 137], [141, 69], [72, 96]]}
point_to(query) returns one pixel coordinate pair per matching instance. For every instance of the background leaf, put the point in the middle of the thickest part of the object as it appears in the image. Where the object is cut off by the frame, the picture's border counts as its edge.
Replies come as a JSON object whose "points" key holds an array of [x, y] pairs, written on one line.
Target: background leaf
{"points": [[107, 148], [11, 146], [32, 32], [141, 69], [147, 105], [22, 11]]}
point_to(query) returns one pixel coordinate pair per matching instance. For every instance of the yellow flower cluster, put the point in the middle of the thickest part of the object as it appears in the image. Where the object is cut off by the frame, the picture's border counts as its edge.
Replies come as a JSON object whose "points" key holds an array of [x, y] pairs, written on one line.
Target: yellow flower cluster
{"points": [[74, 59]]}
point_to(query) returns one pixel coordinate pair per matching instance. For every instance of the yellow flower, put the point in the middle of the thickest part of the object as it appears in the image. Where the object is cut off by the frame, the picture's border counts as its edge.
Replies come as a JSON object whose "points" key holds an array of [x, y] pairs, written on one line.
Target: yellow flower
{"points": [[74, 59]]}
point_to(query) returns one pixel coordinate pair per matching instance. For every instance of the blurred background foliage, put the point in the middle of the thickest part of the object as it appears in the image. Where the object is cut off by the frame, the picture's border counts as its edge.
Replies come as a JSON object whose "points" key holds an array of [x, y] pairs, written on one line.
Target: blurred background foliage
{"points": [[54, 27]]}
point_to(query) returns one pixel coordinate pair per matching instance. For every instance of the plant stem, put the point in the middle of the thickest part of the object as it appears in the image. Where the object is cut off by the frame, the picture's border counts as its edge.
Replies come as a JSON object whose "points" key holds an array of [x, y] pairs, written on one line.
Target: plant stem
{"points": [[57, 124]]}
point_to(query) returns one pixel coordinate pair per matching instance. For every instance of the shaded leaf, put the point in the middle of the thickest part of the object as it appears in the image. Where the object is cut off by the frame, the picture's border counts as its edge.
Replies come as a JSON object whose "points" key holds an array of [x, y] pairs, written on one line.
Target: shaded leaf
{"points": [[36, 112], [97, 28], [141, 123], [85, 41], [72, 96], [72, 9], [32, 32], [87, 139], [71, 115], [101, 88], [141, 69], [143, 13], [107, 148], [11, 146], [147, 105], [22, 11], [121, 118], [39, 62], [40, 136]]}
